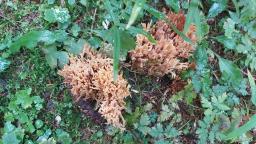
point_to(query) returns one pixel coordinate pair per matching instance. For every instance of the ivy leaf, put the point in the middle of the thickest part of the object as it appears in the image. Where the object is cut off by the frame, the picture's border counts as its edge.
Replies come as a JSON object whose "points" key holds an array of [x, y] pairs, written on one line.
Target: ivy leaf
{"points": [[4, 64], [217, 8], [253, 87], [230, 71], [57, 14]]}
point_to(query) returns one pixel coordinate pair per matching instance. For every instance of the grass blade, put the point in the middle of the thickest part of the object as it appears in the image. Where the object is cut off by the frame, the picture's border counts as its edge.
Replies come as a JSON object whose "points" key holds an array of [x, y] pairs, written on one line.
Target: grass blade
{"points": [[253, 87], [162, 16], [116, 52], [243, 129], [135, 12]]}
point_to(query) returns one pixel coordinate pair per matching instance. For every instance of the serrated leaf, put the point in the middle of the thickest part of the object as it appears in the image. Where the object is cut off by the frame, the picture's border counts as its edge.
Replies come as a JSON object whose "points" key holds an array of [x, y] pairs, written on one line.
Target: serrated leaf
{"points": [[229, 27], [144, 120], [156, 131], [216, 8], [139, 4], [253, 87], [230, 71]]}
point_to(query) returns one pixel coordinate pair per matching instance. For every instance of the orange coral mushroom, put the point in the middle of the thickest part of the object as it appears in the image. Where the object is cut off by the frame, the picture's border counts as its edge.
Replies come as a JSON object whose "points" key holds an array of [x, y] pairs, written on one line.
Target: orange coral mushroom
{"points": [[170, 51], [91, 77]]}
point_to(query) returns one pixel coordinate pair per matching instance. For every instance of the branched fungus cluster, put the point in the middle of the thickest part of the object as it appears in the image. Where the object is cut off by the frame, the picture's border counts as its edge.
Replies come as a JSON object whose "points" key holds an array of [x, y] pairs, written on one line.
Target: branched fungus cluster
{"points": [[90, 76], [170, 53]]}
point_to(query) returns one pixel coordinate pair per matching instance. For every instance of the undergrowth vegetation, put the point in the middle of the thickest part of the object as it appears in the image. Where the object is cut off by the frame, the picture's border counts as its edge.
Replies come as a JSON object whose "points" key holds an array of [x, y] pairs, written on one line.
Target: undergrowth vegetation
{"points": [[127, 71]]}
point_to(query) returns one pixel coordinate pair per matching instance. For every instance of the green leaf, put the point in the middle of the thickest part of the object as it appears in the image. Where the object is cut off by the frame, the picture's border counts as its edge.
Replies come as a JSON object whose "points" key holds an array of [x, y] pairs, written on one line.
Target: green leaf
{"points": [[74, 47], [217, 8], [229, 27], [174, 4], [194, 16], [136, 30], [243, 129], [95, 42], [30, 40], [75, 29], [144, 120], [39, 124], [227, 42], [253, 87], [63, 137], [57, 14], [71, 2], [139, 4], [55, 58], [156, 131], [84, 2], [6, 42], [50, 1], [230, 71], [117, 47], [4, 64], [50, 55], [23, 98]]}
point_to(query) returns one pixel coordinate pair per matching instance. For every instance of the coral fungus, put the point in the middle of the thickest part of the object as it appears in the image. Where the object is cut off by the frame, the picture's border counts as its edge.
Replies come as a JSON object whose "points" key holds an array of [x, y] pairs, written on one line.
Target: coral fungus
{"points": [[91, 77], [169, 55]]}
